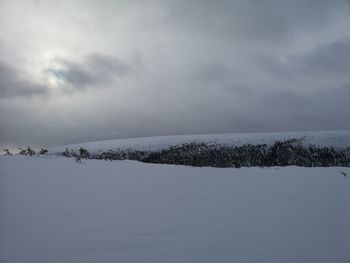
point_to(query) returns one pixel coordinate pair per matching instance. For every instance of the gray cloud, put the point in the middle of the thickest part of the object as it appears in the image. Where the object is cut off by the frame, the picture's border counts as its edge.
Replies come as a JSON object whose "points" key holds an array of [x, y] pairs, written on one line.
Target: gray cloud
{"points": [[206, 67], [271, 20], [327, 58], [214, 72], [13, 84], [93, 71]]}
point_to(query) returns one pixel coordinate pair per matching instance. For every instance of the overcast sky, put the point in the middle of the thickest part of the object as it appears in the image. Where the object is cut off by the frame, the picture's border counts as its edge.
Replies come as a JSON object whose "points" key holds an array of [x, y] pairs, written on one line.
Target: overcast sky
{"points": [[74, 71]]}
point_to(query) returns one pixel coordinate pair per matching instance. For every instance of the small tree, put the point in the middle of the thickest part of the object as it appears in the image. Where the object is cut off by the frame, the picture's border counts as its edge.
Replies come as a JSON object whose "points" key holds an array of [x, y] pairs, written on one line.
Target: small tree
{"points": [[43, 151], [30, 151], [84, 153], [66, 153], [21, 151]]}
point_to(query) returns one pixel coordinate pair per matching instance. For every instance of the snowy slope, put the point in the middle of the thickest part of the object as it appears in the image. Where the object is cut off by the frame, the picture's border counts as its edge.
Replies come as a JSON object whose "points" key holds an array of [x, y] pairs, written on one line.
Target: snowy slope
{"points": [[55, 210], [322, 138]]}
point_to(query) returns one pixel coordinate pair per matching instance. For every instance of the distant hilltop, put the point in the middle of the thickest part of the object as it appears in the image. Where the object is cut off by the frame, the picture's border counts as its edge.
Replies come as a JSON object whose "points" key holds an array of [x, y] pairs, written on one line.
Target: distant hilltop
{"points": [[313, 148], [321, 138]]}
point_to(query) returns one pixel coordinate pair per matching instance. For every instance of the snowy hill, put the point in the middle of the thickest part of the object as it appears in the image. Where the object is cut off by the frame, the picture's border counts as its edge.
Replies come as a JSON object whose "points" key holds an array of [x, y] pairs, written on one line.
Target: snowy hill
{"points": [[326, 148], [322, 138]]}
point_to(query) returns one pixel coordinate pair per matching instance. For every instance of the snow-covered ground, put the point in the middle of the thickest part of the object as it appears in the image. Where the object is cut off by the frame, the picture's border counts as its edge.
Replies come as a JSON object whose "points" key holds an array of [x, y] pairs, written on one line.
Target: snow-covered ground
{"points": [[55, 210], [322, 138]]}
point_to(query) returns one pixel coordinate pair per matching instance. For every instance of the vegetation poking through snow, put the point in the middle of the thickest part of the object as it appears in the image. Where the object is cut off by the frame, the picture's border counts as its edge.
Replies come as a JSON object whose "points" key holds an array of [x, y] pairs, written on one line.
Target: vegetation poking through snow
{"points": [[69, 153], [281, 153], [29, 151], [83, 153], [43, 151]]}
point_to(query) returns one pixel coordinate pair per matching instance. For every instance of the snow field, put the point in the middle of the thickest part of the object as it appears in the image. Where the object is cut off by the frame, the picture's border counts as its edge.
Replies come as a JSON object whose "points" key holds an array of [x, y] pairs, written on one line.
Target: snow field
{"points": [[56, 210]]}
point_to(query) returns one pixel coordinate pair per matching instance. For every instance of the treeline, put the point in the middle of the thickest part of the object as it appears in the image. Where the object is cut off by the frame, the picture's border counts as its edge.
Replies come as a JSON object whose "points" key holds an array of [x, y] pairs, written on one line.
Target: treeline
{"points": [[281, 153]]}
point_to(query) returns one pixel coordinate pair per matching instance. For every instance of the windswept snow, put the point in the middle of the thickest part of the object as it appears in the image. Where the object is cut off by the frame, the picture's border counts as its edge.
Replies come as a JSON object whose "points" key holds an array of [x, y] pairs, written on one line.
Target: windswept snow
{"points": [[55, 210], [322, 138]]}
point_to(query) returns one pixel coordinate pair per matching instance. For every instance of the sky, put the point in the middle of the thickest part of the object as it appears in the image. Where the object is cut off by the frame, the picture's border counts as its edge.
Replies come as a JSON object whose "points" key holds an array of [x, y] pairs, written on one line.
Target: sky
{"points": [[86, 70]]}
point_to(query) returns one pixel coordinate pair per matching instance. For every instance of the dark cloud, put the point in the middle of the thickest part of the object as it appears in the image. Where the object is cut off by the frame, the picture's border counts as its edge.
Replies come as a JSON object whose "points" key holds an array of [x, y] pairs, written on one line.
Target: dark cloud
{"points": [[325, 66], [93, 71], [327, 58], [289, 110], [270, 20], [14, 84]]}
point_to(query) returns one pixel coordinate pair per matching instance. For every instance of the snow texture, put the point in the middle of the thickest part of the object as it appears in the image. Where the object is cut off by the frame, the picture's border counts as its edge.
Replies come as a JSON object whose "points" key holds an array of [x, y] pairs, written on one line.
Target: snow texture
{"points": [[55, 210]]}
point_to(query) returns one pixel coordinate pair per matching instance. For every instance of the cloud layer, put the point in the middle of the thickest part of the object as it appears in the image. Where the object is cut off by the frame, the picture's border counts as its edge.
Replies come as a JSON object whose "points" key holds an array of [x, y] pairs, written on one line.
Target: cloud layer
{"points": [[77, 71], [12, 83], [95, 70]]}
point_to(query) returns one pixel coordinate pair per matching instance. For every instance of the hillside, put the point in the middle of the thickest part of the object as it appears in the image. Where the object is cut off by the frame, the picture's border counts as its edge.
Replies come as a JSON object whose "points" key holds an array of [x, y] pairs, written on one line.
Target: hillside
{"points": [[322, 138], [309, 149]]}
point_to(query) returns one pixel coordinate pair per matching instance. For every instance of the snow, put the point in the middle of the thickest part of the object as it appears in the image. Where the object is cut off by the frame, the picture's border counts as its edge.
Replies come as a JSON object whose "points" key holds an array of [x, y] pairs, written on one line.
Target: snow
{"points": [[322, 138], [55, 210]]}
